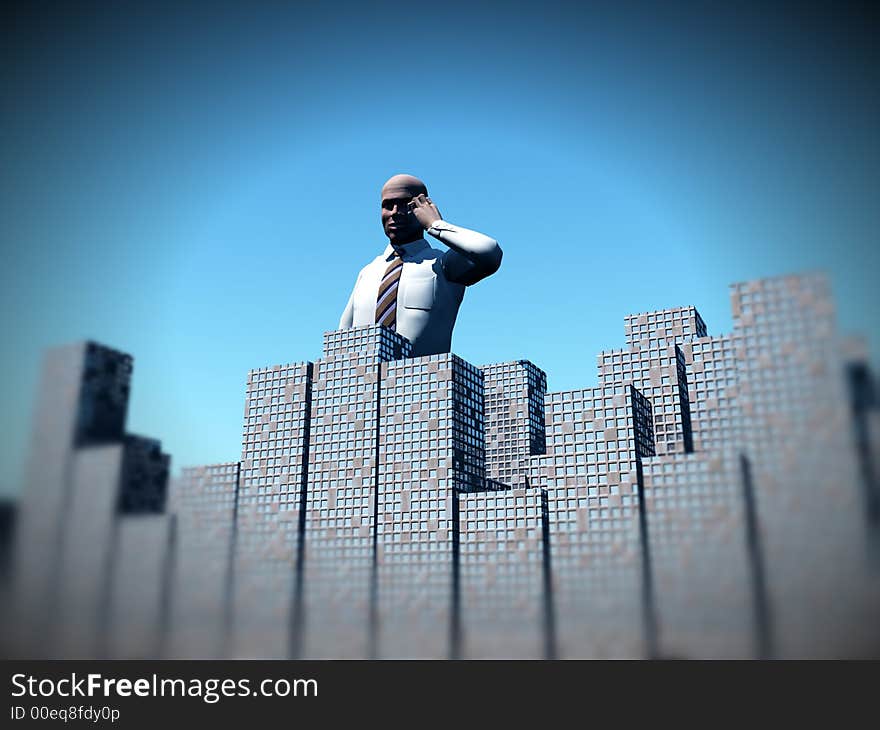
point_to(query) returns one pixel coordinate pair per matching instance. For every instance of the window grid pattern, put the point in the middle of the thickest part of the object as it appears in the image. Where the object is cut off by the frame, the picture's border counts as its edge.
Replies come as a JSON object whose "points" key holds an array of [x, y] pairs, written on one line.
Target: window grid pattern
{"points": [[431, 445], [143, 484], [700, 573], [501, 574], [103, 400], [697, 523], [674, 410], [343, 466], [514, 406], [272, 476], [651, 363], [661, 328], [689, 496], [591, 477], [796, 429], [655, 375]]}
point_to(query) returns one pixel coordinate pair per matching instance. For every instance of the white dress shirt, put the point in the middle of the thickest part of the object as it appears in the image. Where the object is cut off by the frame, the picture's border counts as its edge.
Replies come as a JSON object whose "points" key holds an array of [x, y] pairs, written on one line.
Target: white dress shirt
{"points": [[431, 287]]}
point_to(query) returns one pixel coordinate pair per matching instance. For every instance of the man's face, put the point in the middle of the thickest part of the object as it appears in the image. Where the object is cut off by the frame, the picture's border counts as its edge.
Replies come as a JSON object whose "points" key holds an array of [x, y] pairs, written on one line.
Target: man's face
{"points": [[400, 225]]}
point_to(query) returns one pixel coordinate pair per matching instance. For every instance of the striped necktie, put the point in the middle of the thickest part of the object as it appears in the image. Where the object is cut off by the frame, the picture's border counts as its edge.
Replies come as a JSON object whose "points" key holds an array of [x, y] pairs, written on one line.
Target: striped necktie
{"points": [[386, 302]]}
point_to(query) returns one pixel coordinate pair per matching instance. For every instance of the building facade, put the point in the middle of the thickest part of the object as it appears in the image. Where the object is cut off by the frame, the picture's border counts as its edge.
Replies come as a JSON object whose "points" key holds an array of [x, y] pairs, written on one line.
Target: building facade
{"points": [[710, 496]]}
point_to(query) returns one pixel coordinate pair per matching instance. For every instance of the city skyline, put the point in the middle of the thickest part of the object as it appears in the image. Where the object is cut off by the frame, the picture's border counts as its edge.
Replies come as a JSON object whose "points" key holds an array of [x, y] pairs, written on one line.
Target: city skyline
{"points": [[169, 173], [714, 495], [17, 458]]}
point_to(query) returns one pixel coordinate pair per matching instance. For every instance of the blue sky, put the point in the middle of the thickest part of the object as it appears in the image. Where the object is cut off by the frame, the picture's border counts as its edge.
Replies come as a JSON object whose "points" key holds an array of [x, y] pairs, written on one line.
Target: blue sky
{"points": [[200, 186]]}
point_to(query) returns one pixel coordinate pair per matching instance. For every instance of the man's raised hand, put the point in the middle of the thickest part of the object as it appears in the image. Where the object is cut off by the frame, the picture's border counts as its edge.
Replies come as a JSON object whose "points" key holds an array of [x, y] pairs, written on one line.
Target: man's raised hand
{"points": [[423, 208]]}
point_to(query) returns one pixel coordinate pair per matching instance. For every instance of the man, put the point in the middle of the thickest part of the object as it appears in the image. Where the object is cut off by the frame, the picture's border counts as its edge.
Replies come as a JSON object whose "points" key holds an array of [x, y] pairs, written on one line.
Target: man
{"points": [[413, 288]]}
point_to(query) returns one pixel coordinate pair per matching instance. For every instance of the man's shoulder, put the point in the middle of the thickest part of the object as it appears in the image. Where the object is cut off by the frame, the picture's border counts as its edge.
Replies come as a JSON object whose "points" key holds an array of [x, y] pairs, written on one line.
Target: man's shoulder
{"points": [[431, 258], [429, 253]]}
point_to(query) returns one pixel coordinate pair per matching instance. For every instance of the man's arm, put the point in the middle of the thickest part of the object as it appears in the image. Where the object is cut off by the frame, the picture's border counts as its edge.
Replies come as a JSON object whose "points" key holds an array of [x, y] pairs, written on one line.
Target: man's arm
{"points": [[472, 256], [347, 319]]}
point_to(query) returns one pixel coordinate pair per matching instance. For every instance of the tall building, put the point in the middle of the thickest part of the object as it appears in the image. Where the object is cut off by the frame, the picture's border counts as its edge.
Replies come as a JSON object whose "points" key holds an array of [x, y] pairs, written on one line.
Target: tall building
{"points": [[430, 453], [88, 485], [138, 620], [710, 496], [706, 578], [653, 363], [204, 503], [337, 600], [797, 433], [592, 473], [270, 500], [117, 538], [80, 402], [514, 405], [505, 609]]}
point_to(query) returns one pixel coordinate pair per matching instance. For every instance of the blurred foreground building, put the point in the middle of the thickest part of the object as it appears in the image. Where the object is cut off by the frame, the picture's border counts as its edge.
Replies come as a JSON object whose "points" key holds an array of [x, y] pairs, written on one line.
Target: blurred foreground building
{"points": [[92, 540], [710, 496]]}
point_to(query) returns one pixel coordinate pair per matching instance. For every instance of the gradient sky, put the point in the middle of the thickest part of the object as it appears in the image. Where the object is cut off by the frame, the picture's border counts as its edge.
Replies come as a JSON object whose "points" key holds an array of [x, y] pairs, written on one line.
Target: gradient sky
{"points": [[200, 186]]}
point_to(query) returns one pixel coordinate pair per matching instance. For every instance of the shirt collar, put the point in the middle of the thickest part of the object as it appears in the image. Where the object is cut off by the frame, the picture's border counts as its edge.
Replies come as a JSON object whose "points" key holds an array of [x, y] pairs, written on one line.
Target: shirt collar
{"points": [[407, 250]]}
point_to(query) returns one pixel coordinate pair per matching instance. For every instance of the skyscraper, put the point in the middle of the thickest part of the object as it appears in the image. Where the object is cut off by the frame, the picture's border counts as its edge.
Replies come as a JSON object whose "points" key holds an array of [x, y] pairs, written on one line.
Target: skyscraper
{"points": [[204, 502], [711, 496], [514, 405], [596, 440], [88, 483], [270, 499]]}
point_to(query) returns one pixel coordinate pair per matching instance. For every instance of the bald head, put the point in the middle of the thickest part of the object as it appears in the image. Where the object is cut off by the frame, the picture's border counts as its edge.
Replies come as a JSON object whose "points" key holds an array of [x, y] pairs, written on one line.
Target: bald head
{"points": [[403, 185], [400, 225]]}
